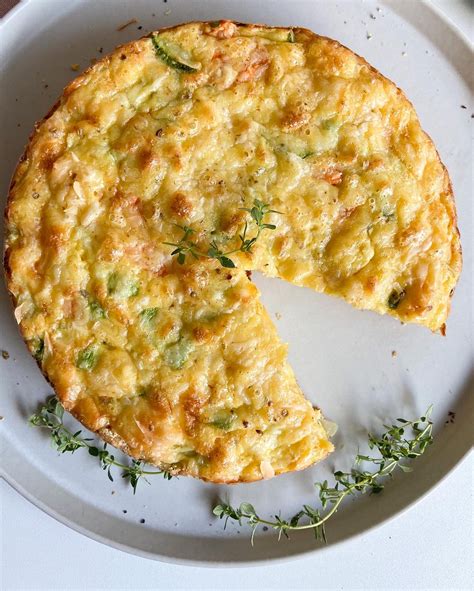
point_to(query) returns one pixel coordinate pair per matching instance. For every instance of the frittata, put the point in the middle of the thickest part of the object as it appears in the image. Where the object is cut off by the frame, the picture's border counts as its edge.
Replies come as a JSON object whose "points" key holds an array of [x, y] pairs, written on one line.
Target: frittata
{"points": [[164, 173]]}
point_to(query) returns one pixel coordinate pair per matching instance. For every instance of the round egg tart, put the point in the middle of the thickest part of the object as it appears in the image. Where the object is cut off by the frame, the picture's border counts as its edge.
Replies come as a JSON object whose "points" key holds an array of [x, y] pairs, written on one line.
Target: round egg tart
{"points": [[163, 175]]}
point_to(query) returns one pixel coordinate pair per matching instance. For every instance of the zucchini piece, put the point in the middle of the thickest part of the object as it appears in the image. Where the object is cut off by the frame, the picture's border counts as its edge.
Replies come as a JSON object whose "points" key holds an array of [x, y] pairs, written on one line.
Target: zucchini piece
{"points": [[147, 316], [147, 320], [97, 312], [177, 354], [170, 61], [223, 420], [38, 348], [87, 358], [122, 286]]}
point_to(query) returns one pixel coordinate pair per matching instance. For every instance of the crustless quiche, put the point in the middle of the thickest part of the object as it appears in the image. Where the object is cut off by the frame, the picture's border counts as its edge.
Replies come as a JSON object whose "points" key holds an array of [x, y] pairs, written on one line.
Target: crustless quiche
{"points": [[164, 173]]}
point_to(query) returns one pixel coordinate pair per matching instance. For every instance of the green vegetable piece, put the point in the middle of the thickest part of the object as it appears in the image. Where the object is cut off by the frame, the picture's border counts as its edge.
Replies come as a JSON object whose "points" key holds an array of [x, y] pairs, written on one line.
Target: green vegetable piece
{"points": [[329, 124], [95, 309], [148, 315], [38, 348], [134, 290], [121, 286], [162, 53], [87, 358], [395, 297], [305, 155], [112, 282], [223, 420], [291, 36], [177, 354]]}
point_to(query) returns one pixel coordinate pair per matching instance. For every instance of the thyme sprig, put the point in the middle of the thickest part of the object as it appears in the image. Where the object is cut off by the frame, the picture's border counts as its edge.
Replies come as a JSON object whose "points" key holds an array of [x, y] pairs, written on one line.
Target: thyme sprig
{"points": [[404, 441], [50, 416], [186, 246], [401, 442]]}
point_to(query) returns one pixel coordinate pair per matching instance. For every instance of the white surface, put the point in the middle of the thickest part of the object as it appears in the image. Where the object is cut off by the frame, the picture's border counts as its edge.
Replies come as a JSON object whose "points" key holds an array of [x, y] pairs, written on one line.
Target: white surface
{"points": [[429, 548], [436, 541]]}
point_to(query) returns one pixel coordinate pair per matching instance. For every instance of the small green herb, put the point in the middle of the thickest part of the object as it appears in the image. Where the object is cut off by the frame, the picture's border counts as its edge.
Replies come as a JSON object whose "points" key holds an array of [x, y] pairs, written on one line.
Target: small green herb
{"points": [[186, 246], [50, 416], [214, 252], [177, 354], [291, 36], [305, 155], [38, 348], [403, 441], [223, 420], [87, 358], [395, 297], [170, 61]]}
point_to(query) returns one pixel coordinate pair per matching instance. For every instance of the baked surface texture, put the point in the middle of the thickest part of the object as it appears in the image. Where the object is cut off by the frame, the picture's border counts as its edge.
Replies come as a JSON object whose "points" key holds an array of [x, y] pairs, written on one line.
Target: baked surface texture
{"points": [[179, 364]]}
